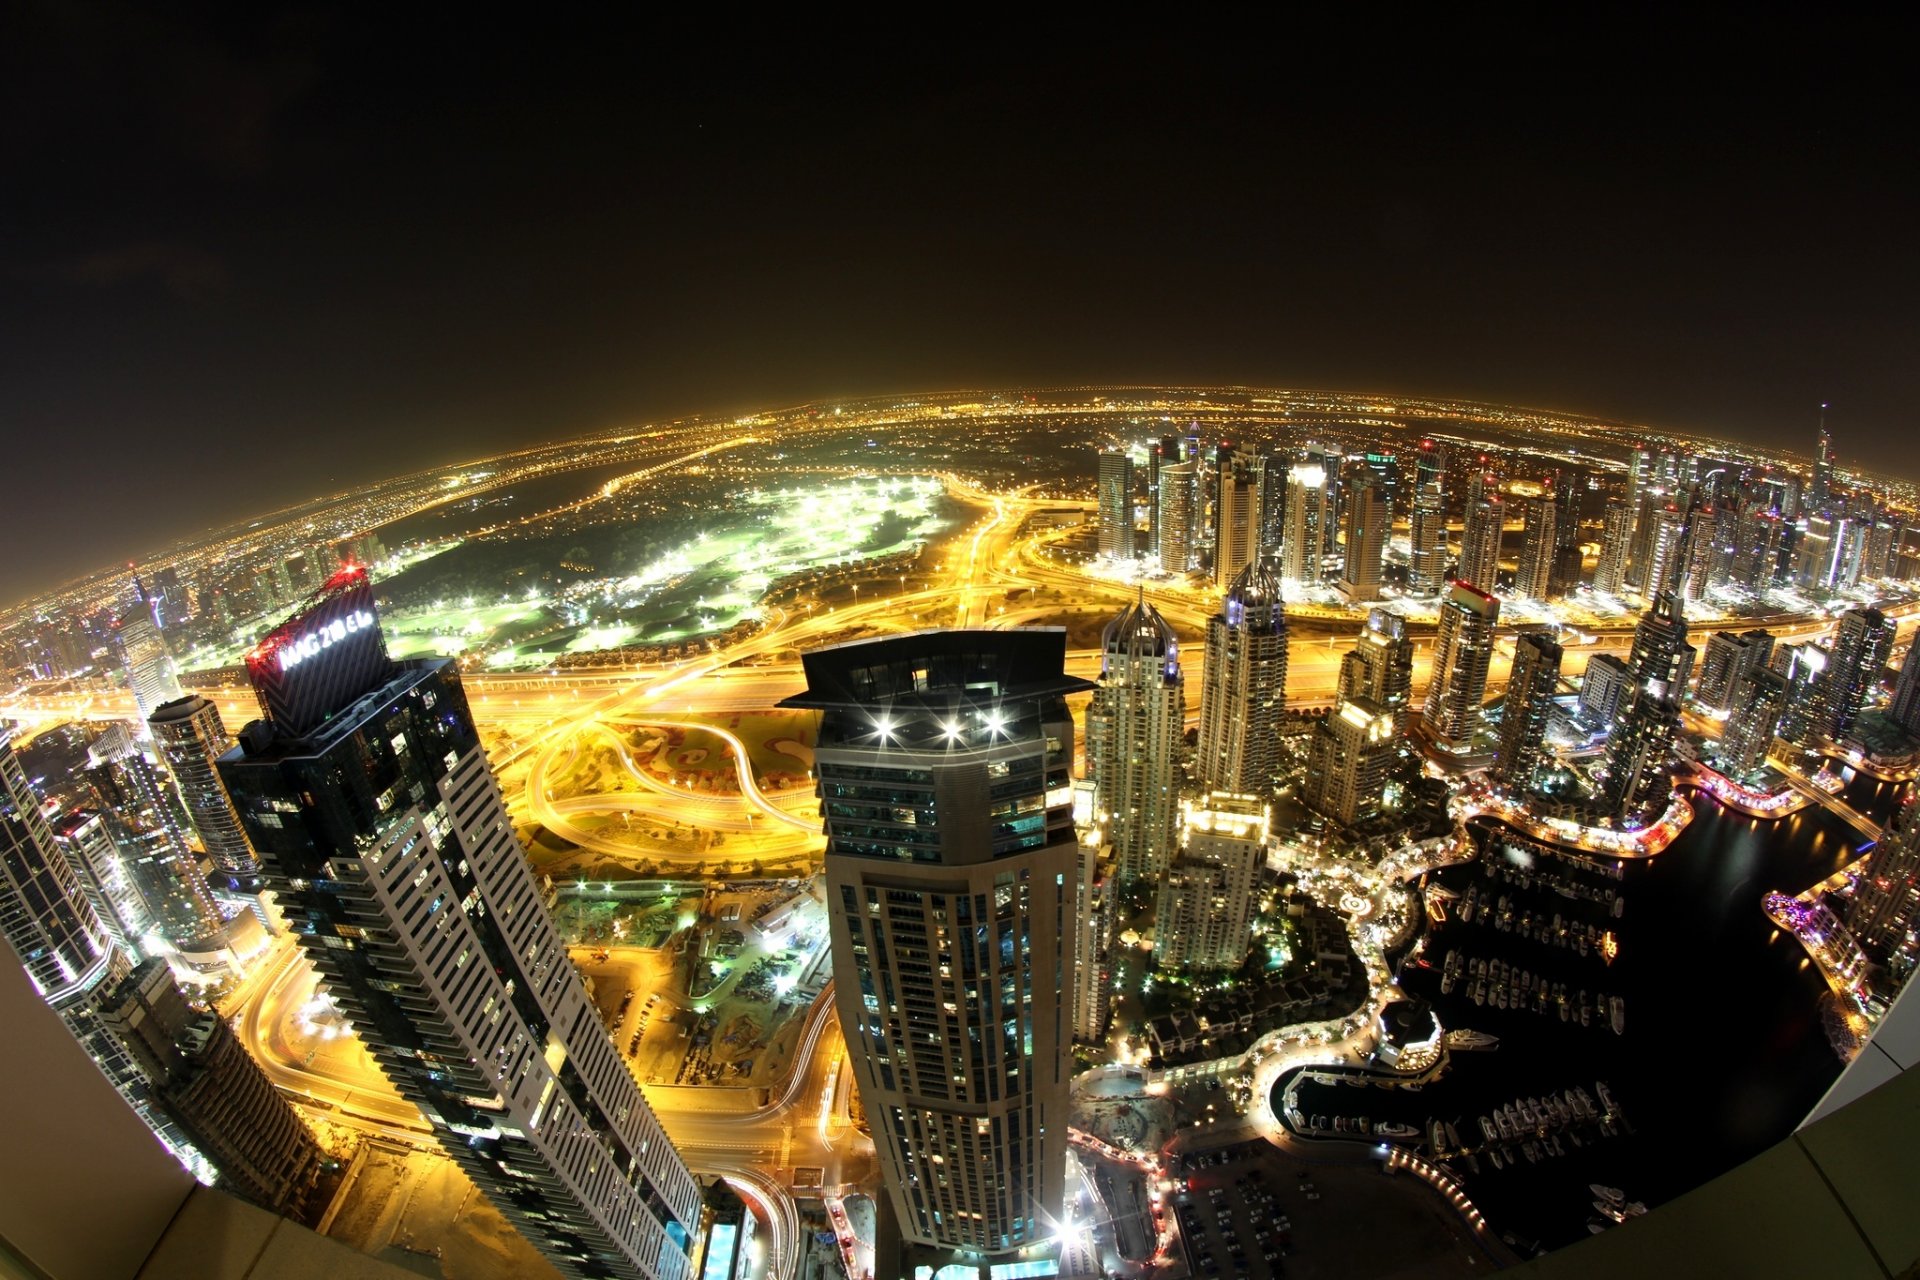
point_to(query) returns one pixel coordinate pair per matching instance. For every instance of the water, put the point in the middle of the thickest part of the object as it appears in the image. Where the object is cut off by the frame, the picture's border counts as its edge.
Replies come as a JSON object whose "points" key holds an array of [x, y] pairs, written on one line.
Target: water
{"points": [[1723, 1052]]}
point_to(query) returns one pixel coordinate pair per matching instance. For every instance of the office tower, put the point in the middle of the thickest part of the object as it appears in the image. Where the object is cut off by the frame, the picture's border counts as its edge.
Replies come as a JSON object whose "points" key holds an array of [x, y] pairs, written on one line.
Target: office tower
{"points": [[1533, 578], [85, 838], [1804, 667], [1273, 505], [1640, 473], [1862, 643], [1661, 659], [1850, 552], [1904, 710], [1462, 654], [1308, 517], [1368, 521], [1236, 527], [191, 739], [1603, 690], [1820, 491], [1886, 897], [1664, 543], [1616, 541], [1480, 542], [943, 762], [143, 816], [1354, 762], [1427, 523], [169, 597], [1756, 552], [1134, 728], [1379, 667], [366, 793], [1523, 720], [1729, 659], [1177, 522], [200, 1075], [1165, 452], [1758, 701], [1639, 751], [1245, 693], [1204, 918], [150, 672], [1882, 537], [1115, 502], [1093, 906], [1698, 555], [1815, 552]]}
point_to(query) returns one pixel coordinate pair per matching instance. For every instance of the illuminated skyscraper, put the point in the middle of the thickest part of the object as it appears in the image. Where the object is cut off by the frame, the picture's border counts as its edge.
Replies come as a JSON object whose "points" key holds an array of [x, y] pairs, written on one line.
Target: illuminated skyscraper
{"points": [[1178, 518], [1604, 688], [1757, 700], [143, 814], [1115, 502], [1480, 542], [1427, 523], [1246, 686], [1368, 519], [1462, 656], [1353, 761], [379, 827], [1638, 758], [1236, 527], [1379, 667], [1821, 490], [86, 839], [1661, 660], [1204, 918], [191, 739], [1729, 659], [1134, 728], [1886, 898], [1309, 516], [1862, 643], [1665, 541], [1904, 710], [1094, 907], [943, 761], [1523, 720], [1616, 541], [1538, 546], [150, 670]]}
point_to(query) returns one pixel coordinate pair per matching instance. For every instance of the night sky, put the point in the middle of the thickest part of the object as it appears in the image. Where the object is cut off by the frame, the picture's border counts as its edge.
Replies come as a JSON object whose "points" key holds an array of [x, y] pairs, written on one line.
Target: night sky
{"points": [[243, 262]]}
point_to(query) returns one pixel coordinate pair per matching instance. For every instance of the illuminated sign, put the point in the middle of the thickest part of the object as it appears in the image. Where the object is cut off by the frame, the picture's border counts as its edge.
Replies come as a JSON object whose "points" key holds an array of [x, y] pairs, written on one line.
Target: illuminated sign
{"points": [[295, 651]]}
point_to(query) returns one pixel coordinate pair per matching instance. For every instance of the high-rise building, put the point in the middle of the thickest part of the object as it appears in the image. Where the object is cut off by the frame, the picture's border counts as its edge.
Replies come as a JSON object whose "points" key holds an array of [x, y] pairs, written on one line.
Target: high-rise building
{"points": [[1353, 762], [1134, 728], [1379, 667], [1094, 907], [142, 814], [1616, 541], [1114, 500], [1821, 490], [1462, 656], [1368, 521], [1729, 659], [150, 670], [1178, 518], [1529, 704], [1204, 918], [1245, 693], [1804, 667], [1758, 701], [1862, 643], [1164, 453], [1309, 516], [1904, 710], [1758, 535], [1664, 542], [366, 793], [1533, 578], [86, 839], [198, 1072], [191, 739], [1236, 526], [943, 762], [1603, 689], [1427, 523], [1886, 897], [1638, 756], [1480, 541], [1661, 659]]}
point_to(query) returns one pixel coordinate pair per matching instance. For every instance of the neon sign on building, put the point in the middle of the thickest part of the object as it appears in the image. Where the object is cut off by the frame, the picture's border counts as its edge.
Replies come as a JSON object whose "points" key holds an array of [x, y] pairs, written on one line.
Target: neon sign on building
{"points": [[297, 650]]}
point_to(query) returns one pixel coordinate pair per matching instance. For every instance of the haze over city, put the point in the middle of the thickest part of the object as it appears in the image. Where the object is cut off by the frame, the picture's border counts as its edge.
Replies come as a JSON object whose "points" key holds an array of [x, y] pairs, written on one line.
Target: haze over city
{"points": [[1280, 652]]}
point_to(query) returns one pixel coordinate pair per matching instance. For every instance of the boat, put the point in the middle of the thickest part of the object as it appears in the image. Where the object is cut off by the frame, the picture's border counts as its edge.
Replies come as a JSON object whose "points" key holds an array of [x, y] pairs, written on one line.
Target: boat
{"points": [[1389, 1129], [1494, 1156], [1468, 1039], [1617, 1008], [1606, 1095], [1453, 1137]]}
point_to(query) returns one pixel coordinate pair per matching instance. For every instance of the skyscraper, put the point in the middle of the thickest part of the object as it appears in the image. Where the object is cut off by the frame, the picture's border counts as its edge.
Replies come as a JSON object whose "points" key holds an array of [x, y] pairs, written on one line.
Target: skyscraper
{"points": [[1886, 897], [191, 739], [1094, 907], [1661, 659], [1904, 710], [1367, 523], [1462, 655], [1616, 541], [1480, 541], [1729, 659], [150, 670], [1665, 540], [1758, 700], [1308, 516], [1115, 503], [1204, 918], [142, 814], [1236, 526], [1821, 490], [1534, 576], [943, 761], [1134, 727], [1427, 523], [86, 840], [198, 1072], [1639, 752], [1245, 693], [379, 827], [1352, 762], [1178, 519], [1523, 720], [1604, 689], [1862, 643], [1379, 667]]}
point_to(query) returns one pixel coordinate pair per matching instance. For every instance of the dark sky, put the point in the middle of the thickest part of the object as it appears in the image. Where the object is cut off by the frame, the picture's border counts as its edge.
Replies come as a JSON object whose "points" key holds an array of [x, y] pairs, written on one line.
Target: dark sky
{"points": [[244, 261]]}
